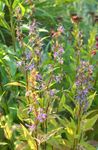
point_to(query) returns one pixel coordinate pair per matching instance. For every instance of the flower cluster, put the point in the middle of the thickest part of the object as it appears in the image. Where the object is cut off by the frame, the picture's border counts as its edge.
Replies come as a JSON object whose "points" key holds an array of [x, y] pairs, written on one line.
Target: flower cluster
{"points": [[34, 42], [32, 78], [41, 115], [31, 127], [75, 18], [56, 34], [19, 36], [83, 83], [57, 48], [58, 52]]}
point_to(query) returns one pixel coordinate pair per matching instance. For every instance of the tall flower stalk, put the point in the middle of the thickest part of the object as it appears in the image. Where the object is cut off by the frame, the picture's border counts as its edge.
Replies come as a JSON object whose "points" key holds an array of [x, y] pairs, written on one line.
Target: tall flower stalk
{"points": [[83, 88]]}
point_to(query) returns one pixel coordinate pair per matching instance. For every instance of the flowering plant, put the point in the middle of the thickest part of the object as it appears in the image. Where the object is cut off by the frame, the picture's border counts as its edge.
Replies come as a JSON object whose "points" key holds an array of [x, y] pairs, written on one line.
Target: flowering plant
{"points": [[48, 75]]}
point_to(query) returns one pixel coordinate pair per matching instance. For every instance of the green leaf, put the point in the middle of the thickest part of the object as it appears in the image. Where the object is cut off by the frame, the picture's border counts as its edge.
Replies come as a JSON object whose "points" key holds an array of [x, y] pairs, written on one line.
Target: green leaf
{"points": [[49, 135], [42, 30], [62, 102], [4, 24], [7, 131], [90, 99], [87, 146], [3, 143], [11, 64], [68, 108], [61, 2], [6, 2], [15, 3], [15, 84], [22, 9], [89, 113], [29, 138], [88, 123]]}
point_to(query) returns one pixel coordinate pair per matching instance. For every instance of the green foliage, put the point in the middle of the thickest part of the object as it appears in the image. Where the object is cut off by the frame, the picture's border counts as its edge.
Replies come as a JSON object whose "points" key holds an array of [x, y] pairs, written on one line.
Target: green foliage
{"points": [[46, 46]]}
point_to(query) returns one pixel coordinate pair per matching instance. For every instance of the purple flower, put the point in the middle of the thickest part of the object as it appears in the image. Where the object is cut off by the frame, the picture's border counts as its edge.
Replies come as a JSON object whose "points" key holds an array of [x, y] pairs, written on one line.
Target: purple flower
{"points": [[55, 54], [60, 29], [78, 83], [19, 63], [42, 117], [32, 27], [58, 78], [53, 92], [28, 55], [30, 67], [38, 77], [58, 54], [85, 91], [61, 50], [83, 83], [31, 127]]}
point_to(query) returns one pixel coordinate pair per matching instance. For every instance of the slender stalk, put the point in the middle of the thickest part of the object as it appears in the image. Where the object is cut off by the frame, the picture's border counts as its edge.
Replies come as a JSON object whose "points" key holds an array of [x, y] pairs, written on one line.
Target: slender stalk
{"points": [[96, 78], [76, 141], [45, 145], [12, 27], [46, 124], [36, 140], [27, 85]]}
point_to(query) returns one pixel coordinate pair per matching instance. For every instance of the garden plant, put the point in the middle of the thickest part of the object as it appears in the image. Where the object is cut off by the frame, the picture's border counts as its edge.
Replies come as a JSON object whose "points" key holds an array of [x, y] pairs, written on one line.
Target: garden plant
{"points": [[48, 74]]}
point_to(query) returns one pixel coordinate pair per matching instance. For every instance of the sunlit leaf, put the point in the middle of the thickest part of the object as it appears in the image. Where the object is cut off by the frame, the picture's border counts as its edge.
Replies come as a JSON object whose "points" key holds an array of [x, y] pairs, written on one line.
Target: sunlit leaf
{"points": [[89, 123], [7, 131], [15, 3], [49, 135], [22, 9], [15, 84], [29, 138]]}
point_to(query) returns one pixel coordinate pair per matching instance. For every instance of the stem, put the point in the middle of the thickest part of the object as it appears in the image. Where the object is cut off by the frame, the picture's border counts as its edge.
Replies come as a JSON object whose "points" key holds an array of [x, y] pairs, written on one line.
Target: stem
{"points": [[27, 86], [76, 141], [95, 82], [12, 29], [36, 141], [45, 146]]}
